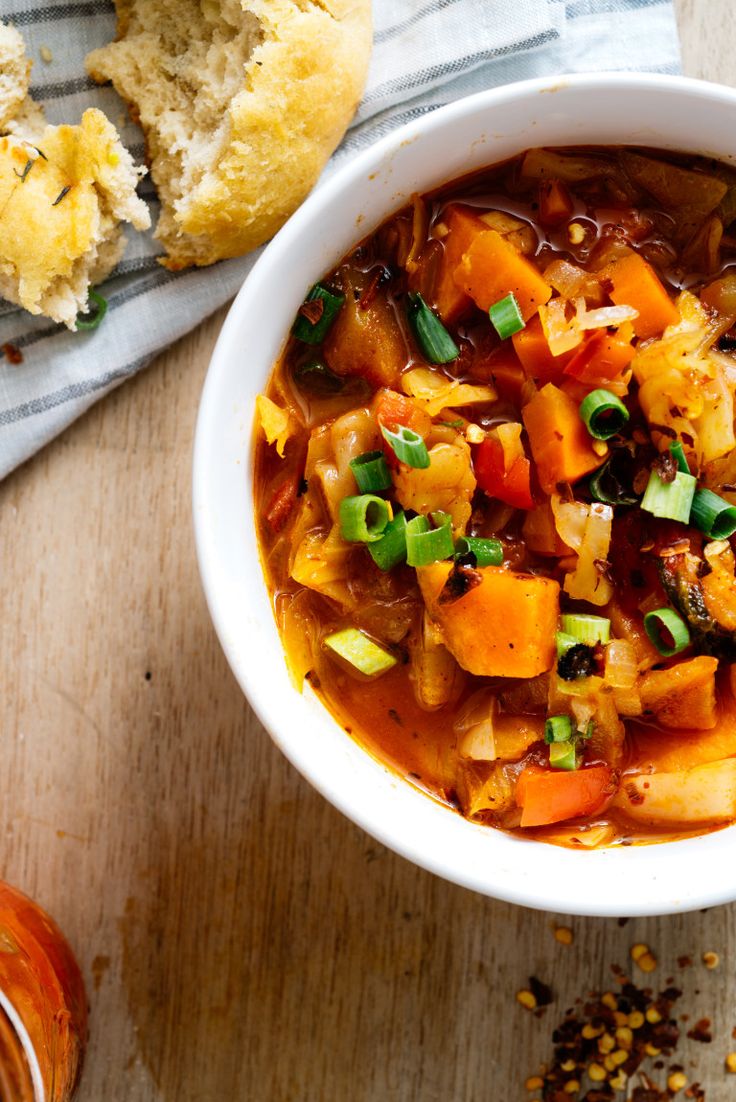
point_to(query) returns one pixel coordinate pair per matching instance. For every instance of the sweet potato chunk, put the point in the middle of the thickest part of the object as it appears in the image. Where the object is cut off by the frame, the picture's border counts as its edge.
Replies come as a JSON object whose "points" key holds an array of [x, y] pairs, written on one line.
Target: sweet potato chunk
{"points": [[684, 695], [503, 627], [462, 225], [366, 338], [492, 268]]}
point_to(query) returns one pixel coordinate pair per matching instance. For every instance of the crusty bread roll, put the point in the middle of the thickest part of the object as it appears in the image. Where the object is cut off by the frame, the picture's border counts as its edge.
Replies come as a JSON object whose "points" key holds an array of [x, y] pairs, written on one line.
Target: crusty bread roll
{"points": [[242, 102], [63, 192]]}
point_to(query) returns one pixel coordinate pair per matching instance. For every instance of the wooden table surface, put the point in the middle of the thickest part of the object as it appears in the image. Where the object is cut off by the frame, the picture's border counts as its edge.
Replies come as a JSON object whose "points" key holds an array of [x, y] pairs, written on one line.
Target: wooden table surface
{"points": [[240, 939]]}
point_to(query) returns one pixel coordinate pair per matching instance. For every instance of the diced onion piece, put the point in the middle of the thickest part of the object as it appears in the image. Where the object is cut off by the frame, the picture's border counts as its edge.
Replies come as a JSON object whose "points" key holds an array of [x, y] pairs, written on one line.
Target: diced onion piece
{"points": [[435, 674], [570, 520], [360, 652], [715, 425], [561, 335], [277, 423], [419, 227], [509, 433], [588, 582], [566, 278], [603, 317], [621, 666], [435, 392], [474, 726]]}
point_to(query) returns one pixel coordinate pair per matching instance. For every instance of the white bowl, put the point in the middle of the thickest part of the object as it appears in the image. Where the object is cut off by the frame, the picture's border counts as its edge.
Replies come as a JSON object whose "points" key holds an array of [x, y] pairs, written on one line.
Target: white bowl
{"points": [[665, 112]]}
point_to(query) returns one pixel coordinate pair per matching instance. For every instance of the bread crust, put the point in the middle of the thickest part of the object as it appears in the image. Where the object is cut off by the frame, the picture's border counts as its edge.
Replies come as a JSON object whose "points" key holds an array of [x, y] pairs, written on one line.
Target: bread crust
{"points": [[301, 86]]}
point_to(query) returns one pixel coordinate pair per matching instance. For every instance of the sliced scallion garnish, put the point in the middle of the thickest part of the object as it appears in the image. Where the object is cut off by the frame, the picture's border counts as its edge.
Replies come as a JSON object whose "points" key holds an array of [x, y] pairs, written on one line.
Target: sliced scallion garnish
{"points": [[611, 483], [667, 631], [564, 755], [603, 413], [92, 318], [407, 446], [506, 317], [670, 500], [583, 627], [363, 518], [558, 729], [679, 453], [425, 545], [371, 472], [390, 550], [564, 642], [488, 552], [435, 342], [316, 378], [360, 652], [713, 515], [316, 314]]}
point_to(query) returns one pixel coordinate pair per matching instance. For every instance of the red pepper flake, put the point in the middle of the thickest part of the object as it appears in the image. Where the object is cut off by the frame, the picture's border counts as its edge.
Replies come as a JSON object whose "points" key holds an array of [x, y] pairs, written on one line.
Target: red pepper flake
{"points": [[312, 310], [701, 1031], [12, 353]]}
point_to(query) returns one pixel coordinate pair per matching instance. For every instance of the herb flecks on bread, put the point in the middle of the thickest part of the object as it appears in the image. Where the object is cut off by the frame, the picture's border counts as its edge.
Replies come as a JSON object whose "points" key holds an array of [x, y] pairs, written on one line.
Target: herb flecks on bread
{"points": [[64, 190], [242, 103]]}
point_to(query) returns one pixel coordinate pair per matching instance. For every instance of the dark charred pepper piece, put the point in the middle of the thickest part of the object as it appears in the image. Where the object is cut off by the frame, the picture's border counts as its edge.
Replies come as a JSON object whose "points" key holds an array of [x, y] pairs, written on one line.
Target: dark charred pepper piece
{"points": [[680, 576], [578, 661]]}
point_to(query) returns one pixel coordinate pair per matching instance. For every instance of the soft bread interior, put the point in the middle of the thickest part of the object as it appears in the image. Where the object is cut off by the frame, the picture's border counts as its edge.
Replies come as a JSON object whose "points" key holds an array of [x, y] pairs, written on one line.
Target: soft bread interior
{"points": [[64, 190], [180, 66]]}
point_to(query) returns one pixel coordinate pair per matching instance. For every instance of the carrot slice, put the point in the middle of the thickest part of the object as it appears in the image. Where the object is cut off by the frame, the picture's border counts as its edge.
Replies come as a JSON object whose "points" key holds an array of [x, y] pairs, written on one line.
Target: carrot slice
{"points": [[635, 283], [537, 360], [549, 796], [491, 268], [463, 225], [562, 449]]}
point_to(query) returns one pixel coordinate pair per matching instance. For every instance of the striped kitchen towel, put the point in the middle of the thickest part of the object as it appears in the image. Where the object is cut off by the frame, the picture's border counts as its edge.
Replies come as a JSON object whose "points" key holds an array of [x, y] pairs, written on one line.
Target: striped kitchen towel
{"points": [[426, 53]]}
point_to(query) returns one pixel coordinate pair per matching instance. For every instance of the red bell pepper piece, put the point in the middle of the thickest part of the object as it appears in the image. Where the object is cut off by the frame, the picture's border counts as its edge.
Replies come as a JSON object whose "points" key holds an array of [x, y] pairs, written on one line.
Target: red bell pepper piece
{"points": [[511, 486]]}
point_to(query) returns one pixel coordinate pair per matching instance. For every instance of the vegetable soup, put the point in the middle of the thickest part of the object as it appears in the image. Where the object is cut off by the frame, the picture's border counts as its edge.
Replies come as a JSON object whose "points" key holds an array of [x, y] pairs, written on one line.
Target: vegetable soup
{"points": [[496, 494]]}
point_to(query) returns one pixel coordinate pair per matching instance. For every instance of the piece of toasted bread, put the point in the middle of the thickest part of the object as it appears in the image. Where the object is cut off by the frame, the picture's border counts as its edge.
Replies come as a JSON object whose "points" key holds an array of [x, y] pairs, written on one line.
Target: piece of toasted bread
{"points": [[241, 102], [64, 190]]}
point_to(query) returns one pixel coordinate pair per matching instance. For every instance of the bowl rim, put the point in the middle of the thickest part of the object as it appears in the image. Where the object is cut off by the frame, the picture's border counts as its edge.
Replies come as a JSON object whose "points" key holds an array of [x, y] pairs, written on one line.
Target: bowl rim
{"points": [[663, 897]]}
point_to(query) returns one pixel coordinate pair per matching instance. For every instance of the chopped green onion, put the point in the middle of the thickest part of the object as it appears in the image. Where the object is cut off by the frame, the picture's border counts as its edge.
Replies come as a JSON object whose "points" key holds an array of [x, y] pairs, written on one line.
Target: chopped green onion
{"points": [[371, 472], [91, 319], [586, 628], [589, 729], [435, 342], [363, 518], [355, 648], [564, 642], [314, 332], [603, 413], [713, 515], [610, 484], [407, 446], [390, 550], [506, 317], [667, 631], [558, 729], [316, 377], [679, 453], [487, 552], [563, 755], [671, 500], [425, 545]]}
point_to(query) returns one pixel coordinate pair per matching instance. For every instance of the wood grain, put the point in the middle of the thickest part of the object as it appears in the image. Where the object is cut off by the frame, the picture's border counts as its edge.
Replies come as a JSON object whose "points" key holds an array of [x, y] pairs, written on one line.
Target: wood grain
{"points": [[240, 939]]}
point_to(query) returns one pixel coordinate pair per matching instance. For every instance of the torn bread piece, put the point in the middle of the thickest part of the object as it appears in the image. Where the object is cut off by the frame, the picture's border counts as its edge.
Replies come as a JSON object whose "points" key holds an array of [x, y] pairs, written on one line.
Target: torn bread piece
{"points": [[242, 102], [64, 190]]}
